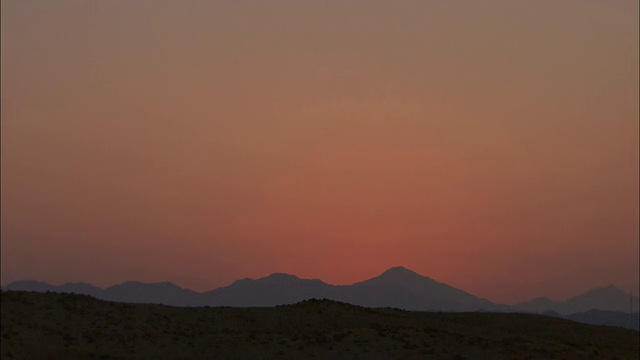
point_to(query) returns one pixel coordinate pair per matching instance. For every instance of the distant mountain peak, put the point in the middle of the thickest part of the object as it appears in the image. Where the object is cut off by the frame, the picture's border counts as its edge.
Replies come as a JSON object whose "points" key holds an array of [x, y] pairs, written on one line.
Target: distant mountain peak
{"points": [[399, 270], [281, 276], [273, 278], [399, 273], [609, 298], [401, 276]]}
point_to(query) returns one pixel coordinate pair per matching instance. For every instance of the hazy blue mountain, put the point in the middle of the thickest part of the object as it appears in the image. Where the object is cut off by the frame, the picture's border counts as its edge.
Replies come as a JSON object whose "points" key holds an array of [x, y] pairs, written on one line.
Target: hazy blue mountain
{"points": [[275, 289], [72, 288], [402, 288], [152, 293], [397, 287], [608, 298], [81, 288], [32, 285]]}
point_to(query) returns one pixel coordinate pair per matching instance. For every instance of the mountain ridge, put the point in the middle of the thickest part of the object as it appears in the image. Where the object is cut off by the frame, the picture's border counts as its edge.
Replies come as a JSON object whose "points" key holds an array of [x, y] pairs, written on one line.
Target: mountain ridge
{"points": [[397, 287], [606, 298]]}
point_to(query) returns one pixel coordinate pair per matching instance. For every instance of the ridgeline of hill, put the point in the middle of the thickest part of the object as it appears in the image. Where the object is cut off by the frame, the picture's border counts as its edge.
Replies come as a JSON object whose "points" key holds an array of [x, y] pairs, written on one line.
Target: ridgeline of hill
{"points": [[60, 326]]}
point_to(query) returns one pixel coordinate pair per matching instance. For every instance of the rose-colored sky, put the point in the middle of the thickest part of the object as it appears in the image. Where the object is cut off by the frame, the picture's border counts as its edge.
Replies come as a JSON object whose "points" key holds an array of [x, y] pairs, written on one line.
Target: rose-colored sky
{"points": [[490, 145]]}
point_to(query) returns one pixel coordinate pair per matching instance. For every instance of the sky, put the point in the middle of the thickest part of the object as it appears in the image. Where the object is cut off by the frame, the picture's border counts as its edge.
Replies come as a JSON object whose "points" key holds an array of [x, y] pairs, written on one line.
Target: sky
{"points": [[491, 145]]}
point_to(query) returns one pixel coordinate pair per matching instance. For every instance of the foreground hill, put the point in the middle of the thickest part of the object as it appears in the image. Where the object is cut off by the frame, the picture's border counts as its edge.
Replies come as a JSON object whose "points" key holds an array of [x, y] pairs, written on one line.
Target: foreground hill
{"points": [[60, 326]]}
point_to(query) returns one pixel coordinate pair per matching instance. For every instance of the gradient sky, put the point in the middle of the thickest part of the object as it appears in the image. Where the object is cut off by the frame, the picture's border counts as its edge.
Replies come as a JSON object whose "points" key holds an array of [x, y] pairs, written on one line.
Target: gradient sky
{"points": [[491, 145]]}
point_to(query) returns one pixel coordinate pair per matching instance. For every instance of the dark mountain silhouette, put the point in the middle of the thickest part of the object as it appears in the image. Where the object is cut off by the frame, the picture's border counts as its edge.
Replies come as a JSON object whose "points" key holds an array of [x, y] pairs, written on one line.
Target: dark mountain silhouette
{"points": [[397, 287], [152, 293], [402, 288], [132, 292], [275, 289], [71, 288], [32, 285], [608, 298]]}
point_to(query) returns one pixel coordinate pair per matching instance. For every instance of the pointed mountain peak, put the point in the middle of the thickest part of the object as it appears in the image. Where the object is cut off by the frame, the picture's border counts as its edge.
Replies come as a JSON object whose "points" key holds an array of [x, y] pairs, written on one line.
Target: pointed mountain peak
{"points": [[401, 275], [282, 276], [273, 278], [398, 268], [399, 271]]}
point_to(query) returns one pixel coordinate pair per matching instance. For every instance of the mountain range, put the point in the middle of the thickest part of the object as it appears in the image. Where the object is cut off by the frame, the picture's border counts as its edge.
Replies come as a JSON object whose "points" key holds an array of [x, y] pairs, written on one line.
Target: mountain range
{"points": [[397, 287], [608, 298]]}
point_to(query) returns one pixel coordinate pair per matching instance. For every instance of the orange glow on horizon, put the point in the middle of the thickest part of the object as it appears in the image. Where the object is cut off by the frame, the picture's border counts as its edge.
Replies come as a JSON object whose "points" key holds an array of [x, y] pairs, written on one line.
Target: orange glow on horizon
{"points": [[490, 146]]}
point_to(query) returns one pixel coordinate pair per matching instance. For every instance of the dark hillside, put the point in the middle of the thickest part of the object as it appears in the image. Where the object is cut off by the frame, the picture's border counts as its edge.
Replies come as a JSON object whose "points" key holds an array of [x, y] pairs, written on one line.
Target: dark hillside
{"points": [[60, 326]]}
